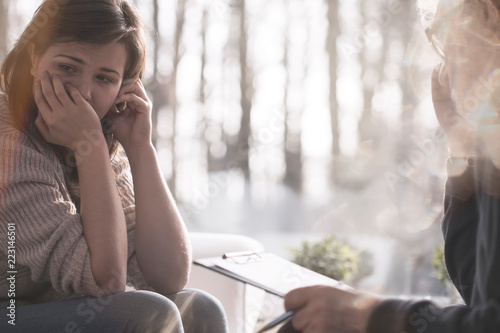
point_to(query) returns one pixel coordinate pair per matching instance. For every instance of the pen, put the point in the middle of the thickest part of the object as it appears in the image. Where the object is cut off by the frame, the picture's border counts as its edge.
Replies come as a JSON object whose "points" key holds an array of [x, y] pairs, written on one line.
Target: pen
{"points": [[277, 321]]}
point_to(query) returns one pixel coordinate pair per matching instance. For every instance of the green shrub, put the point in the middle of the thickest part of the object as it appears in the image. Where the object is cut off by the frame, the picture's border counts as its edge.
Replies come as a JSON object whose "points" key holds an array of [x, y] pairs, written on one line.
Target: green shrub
{"points": [[443, 276], [440, 266], [333, 258]]}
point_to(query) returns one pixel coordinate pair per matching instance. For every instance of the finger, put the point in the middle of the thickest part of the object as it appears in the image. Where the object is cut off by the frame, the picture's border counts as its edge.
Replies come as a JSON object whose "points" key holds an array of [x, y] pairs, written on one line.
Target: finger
{"points": [[40, 100], [297, 298], [316, 319], [128, 86], [44, 110], [301, 320], [42, 126], [61, 92], [132, 102], [129, 98], [75, 95], [49, 93], [133, 86], [129, 82], [142, 90]]}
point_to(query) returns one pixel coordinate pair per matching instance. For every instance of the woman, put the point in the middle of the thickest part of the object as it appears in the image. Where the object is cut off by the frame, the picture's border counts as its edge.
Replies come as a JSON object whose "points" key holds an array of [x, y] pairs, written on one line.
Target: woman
{"points": [[84, 209], [465, 95]]}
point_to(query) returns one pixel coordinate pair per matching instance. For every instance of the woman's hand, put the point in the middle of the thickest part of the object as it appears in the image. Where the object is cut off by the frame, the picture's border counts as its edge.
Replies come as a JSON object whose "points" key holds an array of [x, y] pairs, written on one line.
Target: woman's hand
{"points": [[330, 309], [64, 117], [132, 124]]}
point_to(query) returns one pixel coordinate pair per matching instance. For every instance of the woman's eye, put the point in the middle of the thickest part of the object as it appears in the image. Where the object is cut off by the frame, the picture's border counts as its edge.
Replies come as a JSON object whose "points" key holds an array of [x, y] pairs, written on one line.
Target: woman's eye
{"points": [[104, 79], [66, 68]]}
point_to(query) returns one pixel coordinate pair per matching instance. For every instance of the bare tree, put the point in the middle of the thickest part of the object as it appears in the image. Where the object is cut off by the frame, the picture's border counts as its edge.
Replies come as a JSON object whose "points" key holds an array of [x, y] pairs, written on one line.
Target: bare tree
{"points": [[292, 147], [372, 70], [4, 25], [331, 48], [406, 25], [214, 164], [243, 146], [172, 86], [157, 91], [202, 120]]}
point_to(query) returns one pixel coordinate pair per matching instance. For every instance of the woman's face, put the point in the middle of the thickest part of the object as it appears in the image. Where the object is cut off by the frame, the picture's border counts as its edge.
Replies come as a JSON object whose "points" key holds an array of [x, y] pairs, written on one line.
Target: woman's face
{"points": [[95, 70]]}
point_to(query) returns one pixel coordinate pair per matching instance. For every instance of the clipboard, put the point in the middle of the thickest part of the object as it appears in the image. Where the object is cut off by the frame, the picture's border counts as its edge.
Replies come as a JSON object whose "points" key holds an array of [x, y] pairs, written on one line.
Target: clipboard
{"points": [[266, 271]]}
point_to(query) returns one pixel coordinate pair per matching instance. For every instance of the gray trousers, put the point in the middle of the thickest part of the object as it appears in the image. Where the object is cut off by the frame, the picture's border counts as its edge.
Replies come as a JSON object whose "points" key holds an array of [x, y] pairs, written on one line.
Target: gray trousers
{"points": [[190, 310]]}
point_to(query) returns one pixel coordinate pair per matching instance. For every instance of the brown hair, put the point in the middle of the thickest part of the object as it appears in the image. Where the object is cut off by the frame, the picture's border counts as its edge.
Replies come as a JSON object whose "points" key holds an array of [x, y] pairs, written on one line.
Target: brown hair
{"points": [[58, 21]]}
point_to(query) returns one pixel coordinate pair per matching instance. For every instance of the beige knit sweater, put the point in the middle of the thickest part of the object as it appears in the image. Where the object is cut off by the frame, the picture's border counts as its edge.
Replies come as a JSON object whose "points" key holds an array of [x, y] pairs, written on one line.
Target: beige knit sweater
{"points": [[52, 260]]}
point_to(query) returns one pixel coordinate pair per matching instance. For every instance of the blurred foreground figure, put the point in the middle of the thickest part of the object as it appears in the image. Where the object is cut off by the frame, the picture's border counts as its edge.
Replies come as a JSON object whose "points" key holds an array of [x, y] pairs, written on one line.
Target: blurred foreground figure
{"points": [[466, 95]]}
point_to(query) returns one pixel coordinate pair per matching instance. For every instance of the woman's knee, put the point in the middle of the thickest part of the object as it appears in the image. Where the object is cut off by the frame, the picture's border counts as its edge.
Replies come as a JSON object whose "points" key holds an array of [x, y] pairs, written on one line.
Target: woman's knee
{"points": [[200, 311], [128, 312], [145, 311]]}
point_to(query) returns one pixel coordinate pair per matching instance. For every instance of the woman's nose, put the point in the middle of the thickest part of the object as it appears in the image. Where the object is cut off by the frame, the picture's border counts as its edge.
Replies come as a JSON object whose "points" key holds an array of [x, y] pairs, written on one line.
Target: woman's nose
{"points": [[84, 86], [85, 89]]}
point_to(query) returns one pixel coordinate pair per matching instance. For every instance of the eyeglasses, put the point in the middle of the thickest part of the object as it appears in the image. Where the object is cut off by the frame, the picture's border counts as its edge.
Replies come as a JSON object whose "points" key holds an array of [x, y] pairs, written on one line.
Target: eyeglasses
{"points": [[242, 257], [434, 41], [439, 30]]}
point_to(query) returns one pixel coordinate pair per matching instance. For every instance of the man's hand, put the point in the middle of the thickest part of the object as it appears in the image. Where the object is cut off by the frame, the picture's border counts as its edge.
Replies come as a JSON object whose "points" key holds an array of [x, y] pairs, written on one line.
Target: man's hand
{"points": [[330, 309]]}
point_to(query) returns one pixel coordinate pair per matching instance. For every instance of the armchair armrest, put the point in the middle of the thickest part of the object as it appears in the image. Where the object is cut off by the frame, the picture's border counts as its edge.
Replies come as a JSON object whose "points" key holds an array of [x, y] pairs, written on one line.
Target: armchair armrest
{"points": [[241, 303], [207, 245]]}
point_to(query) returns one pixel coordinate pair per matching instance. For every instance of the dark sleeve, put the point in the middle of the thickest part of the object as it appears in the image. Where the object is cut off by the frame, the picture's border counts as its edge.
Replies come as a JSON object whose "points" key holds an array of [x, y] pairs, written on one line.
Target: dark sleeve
{"points": [[459, 228], [472, 231], [396, 316]]}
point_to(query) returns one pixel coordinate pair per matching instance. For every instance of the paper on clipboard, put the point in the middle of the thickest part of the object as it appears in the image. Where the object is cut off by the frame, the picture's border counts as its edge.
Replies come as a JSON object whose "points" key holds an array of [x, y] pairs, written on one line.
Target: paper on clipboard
{"points": [[267, 271]]}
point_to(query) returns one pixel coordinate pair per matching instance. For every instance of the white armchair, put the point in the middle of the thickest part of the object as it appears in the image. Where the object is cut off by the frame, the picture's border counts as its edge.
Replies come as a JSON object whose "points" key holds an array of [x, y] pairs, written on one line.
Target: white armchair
{"points": [[241, 302]]}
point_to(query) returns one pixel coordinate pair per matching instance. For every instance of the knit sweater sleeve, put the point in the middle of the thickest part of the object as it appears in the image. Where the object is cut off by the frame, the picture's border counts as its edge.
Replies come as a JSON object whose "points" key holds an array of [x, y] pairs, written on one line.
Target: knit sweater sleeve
{"points": [[49, 241], [49, 233]]}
